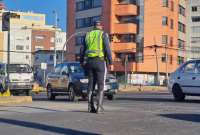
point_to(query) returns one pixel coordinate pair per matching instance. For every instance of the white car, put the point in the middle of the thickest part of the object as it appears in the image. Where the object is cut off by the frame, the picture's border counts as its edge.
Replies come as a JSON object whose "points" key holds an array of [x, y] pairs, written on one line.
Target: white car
{"points": [[185, 80]]}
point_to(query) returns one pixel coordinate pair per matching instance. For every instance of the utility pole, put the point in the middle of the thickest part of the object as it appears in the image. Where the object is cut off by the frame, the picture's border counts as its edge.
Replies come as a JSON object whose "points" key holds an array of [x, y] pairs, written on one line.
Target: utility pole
{"points": [[56, 26], [155, 47], [125, 69], [166, 66]]}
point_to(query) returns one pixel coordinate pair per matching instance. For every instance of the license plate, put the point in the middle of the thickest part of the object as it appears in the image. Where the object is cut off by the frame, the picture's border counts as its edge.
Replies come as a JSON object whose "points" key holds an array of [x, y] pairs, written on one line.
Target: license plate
{"points": [[21, 84]]}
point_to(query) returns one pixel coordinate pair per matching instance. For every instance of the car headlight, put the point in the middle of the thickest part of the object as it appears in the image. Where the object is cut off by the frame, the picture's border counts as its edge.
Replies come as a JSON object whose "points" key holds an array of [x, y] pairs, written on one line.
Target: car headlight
{"points": [[84, 80]]}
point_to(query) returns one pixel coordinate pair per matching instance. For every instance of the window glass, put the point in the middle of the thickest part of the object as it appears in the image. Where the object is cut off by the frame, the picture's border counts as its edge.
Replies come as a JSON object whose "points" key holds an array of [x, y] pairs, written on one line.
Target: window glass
{"points": [[97, 3], [164, 20], [58, 68], [80, 6], [181, 27], [165, 3], [189, 68], [65, 69], [195, 19], [181, 10], [198, 67], [19, 47], [180, 60], [171, 23], [164, 39], [194, 9]]}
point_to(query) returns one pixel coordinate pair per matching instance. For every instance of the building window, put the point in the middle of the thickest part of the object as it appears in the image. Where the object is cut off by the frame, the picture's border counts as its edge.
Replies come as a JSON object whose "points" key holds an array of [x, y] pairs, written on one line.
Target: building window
{"points": [[181, 44], [171, 24], [88, 4], [181, 27], [165, 3], [195, 40], [196, 19], [126, 38], [97, 3], [80, 23], [164, 20], [196, 29], [164, 39], [80, 40], [27, 57], [19, 47], [163, 58], [181, 10], [39, 38], [80, 6], [180, 60], [86, 22], [52, 39], [171, 41], [194, 9], [171, 59], [51, 57], [172, 5]]}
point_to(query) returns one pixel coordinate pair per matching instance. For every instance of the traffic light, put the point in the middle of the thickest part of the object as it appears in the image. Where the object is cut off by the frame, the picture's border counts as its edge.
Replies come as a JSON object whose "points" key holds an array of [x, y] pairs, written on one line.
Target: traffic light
{"points": [[6, 21]]}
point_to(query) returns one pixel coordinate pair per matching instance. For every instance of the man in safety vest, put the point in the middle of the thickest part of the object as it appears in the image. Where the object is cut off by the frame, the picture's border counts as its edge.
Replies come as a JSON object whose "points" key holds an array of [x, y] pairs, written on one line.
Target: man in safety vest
{"points": [[98, 53]]}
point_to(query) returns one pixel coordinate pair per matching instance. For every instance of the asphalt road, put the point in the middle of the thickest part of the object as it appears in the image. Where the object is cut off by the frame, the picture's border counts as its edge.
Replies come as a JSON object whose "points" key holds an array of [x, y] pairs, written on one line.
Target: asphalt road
{"points": [[128, 114]]}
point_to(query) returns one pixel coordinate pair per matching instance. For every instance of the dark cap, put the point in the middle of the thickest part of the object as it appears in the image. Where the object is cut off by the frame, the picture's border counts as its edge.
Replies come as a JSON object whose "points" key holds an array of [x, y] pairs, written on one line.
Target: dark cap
{"points": [[96, 23]]}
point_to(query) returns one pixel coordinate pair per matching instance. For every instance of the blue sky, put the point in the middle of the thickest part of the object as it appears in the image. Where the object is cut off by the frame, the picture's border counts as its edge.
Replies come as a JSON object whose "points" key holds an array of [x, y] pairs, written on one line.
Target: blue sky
{"points": [[41, 6]]}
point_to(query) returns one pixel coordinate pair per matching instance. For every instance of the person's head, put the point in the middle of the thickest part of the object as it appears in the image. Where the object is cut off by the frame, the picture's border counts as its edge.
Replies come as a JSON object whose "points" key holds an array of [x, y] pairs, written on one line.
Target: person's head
{"points": [[98, 25]]}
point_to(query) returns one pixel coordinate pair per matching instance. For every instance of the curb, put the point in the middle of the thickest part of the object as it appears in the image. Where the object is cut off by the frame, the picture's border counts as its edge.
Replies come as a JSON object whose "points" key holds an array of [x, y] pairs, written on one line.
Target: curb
{"points": [[144, 89], [15, 100]]}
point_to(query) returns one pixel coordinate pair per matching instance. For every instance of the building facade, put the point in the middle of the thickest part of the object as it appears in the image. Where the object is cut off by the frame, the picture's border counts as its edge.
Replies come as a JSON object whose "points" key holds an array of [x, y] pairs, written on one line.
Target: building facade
{"points": [[20, 36], [28, 33], [193, 29], [148, 35]]}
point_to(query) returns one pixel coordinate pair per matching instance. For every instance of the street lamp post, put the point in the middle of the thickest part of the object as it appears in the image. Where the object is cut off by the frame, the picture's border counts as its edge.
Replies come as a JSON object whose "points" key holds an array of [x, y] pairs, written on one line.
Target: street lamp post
{"points": [[56, 25], [74, 34]]}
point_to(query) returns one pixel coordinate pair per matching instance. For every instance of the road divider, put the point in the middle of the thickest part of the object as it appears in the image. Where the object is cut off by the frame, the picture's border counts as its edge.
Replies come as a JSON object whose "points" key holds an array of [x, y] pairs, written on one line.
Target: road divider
{"points": [[15, 99]]}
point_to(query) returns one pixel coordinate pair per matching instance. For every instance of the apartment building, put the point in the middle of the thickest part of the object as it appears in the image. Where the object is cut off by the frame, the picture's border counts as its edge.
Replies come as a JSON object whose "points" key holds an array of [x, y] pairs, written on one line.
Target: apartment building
{"points": [[193, 29], [81, 15], [20, 36], [140, 31], [29, 33]]}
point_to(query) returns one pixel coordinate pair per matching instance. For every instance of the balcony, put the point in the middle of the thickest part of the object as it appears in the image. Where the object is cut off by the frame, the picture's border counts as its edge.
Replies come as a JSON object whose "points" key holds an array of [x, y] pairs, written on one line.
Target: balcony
{"points": [[119, 66], [125, 28], [126, 47], [126, 9]]}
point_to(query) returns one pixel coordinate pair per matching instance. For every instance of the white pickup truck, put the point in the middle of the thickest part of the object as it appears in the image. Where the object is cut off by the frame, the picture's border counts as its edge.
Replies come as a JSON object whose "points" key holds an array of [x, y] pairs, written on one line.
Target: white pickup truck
{"points": [[18, 77]]}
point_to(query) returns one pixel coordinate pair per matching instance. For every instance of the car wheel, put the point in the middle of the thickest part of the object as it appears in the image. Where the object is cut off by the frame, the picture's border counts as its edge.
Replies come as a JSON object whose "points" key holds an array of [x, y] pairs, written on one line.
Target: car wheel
{"points": [[177, 93], [110, 97], [50, 95], [72, 95]]}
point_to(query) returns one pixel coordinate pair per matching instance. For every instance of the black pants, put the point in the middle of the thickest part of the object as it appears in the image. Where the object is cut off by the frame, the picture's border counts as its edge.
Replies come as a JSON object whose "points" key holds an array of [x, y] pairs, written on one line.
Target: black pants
{"points": [[96, 70]]}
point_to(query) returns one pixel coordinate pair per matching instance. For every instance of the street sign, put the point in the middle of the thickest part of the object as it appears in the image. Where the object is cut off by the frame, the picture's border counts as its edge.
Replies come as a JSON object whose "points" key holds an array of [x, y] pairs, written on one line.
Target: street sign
{"points": [[44, 66]]}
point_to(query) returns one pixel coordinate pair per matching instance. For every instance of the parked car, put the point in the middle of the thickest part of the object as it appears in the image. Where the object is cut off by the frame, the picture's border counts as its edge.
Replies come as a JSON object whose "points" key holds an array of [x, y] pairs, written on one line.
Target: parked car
{"points": [[69, 79], [185, 80], [18, 78]]}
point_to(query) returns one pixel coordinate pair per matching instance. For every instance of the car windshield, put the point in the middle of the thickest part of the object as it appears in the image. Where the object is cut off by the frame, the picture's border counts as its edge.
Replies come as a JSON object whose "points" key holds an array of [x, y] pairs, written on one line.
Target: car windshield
{"points": [[75, 68], [19, 68]]}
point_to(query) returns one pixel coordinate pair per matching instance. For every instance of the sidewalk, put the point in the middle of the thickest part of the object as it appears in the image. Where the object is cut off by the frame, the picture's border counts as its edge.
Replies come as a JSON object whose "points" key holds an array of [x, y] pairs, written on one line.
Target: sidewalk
{"points": [[143, 89]]}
